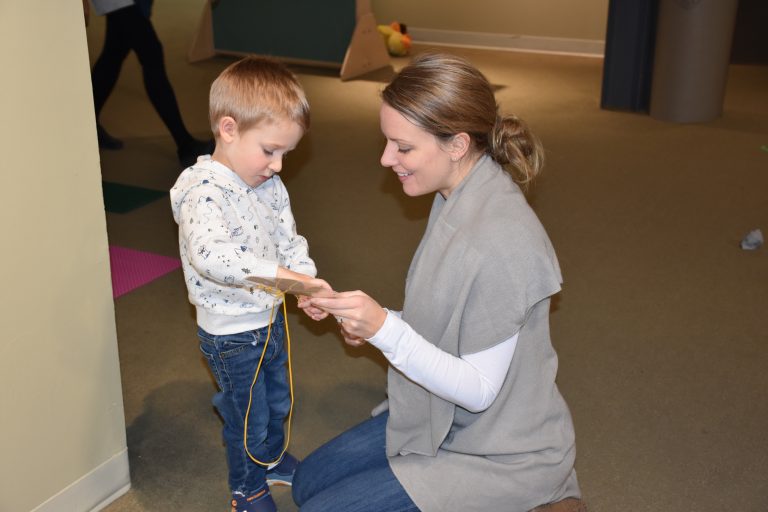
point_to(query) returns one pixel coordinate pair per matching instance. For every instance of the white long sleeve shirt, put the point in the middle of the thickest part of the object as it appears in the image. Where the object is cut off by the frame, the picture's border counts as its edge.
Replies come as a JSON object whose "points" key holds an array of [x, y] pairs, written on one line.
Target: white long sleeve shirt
{"points": [[471, 381]]}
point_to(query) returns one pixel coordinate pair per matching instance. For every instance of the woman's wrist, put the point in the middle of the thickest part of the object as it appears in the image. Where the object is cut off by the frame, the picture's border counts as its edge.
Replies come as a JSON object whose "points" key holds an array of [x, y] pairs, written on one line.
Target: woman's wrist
{"points": [[383, 338]]}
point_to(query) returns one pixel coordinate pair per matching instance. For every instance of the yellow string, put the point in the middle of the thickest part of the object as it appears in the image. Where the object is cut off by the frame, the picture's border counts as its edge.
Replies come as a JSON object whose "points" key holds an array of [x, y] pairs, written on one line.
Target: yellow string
{"points": [[280, 295]]}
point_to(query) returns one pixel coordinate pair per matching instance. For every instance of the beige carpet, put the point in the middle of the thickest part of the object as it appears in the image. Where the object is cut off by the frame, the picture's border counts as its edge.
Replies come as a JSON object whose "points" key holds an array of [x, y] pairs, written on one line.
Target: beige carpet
{"points": [[661, 327]]}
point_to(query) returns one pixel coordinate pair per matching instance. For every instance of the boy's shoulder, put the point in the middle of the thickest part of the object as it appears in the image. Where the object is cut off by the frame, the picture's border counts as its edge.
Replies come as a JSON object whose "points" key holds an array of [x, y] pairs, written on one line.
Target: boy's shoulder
{"points": [[205, 174], [208, 178], [204, 182]]}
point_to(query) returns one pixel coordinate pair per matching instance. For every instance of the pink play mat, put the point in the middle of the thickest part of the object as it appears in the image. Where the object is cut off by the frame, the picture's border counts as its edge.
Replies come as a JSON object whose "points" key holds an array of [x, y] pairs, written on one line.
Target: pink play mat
{"points": [[132, 269]]}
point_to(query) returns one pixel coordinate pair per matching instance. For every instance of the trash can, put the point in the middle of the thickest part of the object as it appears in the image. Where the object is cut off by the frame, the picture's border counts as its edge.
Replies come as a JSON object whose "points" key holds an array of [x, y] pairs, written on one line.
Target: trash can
{"points": [[693, 47]]}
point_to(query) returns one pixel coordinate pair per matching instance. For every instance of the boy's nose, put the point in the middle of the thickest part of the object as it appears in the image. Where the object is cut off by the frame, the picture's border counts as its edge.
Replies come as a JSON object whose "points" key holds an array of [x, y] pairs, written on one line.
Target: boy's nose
{"points": [[276, 165]]}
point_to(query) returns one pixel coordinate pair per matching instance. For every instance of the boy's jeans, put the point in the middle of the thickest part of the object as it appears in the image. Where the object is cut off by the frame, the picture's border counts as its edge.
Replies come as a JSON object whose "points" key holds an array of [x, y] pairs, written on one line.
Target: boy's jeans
{"points": [[233, 359]]}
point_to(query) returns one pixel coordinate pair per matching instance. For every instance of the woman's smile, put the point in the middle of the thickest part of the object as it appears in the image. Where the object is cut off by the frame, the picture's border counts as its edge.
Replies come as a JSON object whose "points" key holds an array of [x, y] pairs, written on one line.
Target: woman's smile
{"points": [[402, 176]]}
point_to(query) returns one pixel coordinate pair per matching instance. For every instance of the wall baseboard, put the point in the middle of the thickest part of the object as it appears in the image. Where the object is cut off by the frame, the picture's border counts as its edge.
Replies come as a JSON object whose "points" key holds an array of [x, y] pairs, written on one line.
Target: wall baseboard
{"points": [[94, 490], [512, 42]]}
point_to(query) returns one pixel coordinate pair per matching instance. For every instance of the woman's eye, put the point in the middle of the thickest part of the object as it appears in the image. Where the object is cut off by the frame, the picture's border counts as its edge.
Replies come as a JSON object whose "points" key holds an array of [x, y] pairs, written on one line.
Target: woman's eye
{"points": [[403, 150]]}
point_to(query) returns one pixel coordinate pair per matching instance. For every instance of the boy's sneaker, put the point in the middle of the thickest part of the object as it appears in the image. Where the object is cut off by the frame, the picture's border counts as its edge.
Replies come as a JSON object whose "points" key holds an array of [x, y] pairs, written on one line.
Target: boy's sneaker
{"points": [[282, 473], [260, 502]]}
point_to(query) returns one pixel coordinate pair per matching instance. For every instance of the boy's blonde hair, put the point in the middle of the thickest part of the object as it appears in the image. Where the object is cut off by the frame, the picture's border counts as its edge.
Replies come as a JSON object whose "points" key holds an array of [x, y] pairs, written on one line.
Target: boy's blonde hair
{"points": [[255, 90]]}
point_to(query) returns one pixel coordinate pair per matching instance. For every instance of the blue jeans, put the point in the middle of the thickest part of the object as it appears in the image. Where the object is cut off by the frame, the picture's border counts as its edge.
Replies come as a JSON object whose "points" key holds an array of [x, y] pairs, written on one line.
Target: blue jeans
{"points": [[351, 474], [233, 359]]}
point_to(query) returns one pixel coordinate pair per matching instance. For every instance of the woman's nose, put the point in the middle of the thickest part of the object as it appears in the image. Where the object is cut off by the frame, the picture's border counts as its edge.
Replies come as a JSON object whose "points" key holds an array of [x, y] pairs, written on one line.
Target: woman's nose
{"points": [[388, 155]]}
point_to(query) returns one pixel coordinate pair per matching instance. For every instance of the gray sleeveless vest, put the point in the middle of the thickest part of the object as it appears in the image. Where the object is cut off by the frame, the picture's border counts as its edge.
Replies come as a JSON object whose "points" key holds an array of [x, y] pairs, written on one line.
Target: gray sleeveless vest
{"points": [[484, 270]]}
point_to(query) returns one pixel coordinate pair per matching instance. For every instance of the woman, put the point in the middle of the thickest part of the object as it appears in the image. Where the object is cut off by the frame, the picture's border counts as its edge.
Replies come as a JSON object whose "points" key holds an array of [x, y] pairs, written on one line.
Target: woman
{"points": [[475, 420]]}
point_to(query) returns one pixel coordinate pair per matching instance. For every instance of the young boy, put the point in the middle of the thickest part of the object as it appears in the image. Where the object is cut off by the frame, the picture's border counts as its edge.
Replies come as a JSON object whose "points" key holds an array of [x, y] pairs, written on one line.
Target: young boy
{"points": [[235, 221]]}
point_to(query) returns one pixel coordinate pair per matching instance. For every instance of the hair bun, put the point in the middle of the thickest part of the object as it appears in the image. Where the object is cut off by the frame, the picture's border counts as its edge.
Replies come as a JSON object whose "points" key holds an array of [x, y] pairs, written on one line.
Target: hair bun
{"points": [[513, 144]]}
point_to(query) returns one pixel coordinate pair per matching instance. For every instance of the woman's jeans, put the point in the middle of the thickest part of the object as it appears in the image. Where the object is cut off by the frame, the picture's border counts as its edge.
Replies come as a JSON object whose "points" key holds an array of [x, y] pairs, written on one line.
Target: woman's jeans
{"points": [[351, 474], [233, 359]]}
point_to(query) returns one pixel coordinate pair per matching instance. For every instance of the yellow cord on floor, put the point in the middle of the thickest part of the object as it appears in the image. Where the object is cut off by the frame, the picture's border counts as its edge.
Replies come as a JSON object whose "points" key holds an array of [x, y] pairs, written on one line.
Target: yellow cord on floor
{"points": [[280, 295]]}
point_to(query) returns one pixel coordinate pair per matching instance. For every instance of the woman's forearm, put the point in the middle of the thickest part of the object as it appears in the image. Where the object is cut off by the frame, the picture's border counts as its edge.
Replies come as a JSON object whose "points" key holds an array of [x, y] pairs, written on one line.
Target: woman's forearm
{"points": [[471, 381]]}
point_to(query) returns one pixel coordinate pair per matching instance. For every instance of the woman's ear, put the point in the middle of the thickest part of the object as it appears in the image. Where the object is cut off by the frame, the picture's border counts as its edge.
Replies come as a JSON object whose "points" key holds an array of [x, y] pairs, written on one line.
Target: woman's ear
{"points": [[227, 127], [459, 146]]}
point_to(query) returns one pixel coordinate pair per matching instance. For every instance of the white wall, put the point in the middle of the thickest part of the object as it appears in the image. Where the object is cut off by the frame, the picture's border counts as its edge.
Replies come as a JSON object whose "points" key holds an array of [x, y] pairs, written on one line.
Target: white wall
{"points": [[62, 434], [582, 19], [564, 24]]}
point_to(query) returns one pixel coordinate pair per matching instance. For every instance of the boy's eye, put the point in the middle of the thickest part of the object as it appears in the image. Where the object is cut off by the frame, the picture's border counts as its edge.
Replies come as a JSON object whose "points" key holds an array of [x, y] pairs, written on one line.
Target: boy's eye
{"points": [[268, 152]]}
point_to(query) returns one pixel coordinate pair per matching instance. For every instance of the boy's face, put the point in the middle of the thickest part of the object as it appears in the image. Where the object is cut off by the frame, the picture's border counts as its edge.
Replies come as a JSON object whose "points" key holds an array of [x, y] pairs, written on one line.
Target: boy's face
{"points": [[257, 153]]}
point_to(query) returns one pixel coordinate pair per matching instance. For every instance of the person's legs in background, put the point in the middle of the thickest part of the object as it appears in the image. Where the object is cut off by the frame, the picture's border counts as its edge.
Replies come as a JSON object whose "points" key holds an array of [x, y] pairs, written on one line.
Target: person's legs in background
{"points": [[106, 70], [149, 51], [130, 29]]}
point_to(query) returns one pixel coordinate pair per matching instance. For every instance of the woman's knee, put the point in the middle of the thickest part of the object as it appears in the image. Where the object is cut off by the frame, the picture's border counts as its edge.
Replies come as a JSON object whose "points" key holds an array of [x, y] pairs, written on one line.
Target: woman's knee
{"points": [[300, 486]]}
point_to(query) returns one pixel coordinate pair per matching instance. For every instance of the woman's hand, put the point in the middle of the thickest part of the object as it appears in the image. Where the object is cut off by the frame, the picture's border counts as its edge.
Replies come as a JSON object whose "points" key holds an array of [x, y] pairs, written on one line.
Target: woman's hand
{"points": [[359, 316]]}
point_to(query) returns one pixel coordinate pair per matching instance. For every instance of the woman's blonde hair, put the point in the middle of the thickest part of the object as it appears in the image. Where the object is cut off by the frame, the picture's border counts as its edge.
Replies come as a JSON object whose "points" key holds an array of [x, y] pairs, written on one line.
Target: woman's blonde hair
{"points": [[446, 95], [257, 89]]}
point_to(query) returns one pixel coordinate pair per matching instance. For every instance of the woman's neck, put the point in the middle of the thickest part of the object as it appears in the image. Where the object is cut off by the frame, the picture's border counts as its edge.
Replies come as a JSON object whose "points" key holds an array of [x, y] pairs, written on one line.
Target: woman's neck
{"points": [[463, 169]]}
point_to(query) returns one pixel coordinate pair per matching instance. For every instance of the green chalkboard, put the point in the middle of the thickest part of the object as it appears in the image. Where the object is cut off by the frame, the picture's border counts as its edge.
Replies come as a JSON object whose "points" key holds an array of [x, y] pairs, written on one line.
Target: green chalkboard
{"points": [[302, 30]]}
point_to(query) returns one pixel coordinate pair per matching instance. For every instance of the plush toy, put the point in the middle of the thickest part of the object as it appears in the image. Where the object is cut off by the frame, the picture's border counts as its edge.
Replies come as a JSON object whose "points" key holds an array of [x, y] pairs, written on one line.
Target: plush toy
{"points": [[396, 38]]}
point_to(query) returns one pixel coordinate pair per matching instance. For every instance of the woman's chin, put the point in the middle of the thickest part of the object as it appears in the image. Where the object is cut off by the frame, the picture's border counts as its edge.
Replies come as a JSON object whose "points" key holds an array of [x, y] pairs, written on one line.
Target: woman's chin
{"points": [[413, 191], [411, 188]]}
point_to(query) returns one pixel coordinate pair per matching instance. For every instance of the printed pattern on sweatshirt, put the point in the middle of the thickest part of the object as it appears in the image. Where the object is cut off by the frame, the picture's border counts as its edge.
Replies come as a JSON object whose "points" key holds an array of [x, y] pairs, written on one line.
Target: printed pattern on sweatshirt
{"points": [[228, 231]]}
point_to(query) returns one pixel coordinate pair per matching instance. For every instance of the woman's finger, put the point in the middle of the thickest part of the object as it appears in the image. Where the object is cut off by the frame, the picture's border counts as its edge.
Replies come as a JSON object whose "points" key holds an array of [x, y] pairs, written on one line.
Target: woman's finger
{"points": [[337, 305], [340, 297]]}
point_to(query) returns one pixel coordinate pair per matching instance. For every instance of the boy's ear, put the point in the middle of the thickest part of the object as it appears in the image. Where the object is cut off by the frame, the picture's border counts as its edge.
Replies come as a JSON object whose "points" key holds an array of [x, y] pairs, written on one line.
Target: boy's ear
{"points": [[458, 146], [227, 128]]}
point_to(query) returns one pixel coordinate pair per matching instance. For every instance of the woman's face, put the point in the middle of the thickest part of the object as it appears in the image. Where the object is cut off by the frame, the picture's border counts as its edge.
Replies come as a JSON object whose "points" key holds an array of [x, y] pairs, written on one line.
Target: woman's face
{"points": [[422, 163]]}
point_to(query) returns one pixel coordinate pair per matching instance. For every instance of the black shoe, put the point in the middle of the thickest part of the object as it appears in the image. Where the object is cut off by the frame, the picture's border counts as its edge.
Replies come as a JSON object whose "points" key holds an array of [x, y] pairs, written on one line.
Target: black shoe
{"points": [[106, 141], [189, 152]]}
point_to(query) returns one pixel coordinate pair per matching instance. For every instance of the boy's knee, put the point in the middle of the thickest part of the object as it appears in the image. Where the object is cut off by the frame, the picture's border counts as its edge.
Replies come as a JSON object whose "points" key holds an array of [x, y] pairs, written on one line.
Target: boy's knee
{"points": [[256, 439], [281, 409], [224, 405]]}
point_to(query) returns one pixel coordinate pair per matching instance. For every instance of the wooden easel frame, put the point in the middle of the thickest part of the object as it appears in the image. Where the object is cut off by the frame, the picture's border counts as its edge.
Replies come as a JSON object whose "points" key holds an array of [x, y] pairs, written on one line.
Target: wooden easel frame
{"points": [[365, 52]]}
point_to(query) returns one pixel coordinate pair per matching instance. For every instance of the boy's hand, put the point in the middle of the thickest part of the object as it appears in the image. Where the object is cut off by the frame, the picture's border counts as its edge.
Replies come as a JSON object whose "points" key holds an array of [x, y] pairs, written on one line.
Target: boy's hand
{"points": [[311, 311]]}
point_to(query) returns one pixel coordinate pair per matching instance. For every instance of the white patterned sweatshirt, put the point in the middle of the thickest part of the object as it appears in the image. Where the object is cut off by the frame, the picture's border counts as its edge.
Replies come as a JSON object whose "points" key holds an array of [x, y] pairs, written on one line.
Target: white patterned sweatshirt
{"points": [[228, 231]]}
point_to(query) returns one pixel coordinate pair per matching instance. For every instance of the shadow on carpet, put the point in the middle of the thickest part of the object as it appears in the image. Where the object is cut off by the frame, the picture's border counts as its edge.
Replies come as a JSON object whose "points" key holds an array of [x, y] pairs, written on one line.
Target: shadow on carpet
{"points": [[120, 198]]}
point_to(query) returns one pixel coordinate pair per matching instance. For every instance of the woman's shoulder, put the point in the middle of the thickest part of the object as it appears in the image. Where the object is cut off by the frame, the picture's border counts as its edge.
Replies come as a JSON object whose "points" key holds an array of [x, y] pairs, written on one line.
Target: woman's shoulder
{"points": [[500, 214]]}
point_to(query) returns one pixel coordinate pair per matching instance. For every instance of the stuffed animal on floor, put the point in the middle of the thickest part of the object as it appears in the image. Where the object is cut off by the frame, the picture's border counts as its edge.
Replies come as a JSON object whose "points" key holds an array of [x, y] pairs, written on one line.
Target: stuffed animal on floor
{"points": [[396, 38]]}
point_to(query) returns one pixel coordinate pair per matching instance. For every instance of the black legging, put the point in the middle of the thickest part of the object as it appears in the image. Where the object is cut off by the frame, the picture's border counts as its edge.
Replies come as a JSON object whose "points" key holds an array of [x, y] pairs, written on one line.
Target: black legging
{"points": [[128, 29]]}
